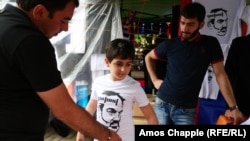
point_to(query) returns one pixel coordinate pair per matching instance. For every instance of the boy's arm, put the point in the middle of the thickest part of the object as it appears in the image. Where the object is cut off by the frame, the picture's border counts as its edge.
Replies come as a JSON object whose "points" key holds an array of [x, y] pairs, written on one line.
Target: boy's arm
{"points": [[91, 107], [149, 114]]}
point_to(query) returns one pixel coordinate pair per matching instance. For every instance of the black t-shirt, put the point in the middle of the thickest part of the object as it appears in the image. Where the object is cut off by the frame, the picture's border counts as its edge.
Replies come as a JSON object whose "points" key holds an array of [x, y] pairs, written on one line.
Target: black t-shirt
{"points": [[186, 68], [28, 65], [237, 68]]}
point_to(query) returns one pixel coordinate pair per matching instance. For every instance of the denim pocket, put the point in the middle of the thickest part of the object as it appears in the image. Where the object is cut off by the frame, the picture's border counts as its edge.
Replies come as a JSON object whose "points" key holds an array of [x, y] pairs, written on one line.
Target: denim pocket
{"points": [[158, 101]]}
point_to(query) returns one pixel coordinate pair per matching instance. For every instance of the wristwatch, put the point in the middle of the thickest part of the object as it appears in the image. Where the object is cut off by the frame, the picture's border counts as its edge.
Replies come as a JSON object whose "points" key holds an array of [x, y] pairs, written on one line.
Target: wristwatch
{"points": [[233, 108]]}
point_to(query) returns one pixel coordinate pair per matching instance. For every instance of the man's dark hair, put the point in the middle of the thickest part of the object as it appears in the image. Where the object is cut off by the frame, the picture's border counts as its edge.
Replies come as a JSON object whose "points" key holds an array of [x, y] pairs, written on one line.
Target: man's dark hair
{"points": [[194, 10], [121, 48], [51, 5]]}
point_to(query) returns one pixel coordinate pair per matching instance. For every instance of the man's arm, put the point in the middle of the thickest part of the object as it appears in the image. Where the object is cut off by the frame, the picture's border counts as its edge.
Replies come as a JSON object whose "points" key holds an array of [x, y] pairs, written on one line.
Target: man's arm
{"points": [[227, 91], [65, 109], [151, 68], [91, 108]]}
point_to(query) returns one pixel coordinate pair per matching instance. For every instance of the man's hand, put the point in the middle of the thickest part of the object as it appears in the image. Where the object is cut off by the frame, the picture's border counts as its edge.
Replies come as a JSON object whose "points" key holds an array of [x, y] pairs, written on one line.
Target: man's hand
{"points": [[157, 83], [237, 116], [114, 136]]}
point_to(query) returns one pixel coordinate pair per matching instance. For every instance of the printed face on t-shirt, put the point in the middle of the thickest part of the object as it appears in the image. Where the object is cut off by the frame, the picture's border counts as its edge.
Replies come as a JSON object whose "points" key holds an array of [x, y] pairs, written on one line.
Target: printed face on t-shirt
{"points": [[111, 107], [218, 21]]}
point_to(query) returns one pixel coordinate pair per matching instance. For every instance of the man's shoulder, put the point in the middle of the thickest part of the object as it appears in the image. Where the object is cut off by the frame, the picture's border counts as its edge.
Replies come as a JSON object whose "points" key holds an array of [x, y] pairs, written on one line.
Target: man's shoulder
{"points": [[208, 39], [241, 41], [208, 36], [242, 38], [172, 41]]}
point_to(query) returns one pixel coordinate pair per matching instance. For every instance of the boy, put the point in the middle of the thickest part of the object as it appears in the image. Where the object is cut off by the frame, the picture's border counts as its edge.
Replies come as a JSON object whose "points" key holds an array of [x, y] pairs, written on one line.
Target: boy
{"points": [[114, 94]]}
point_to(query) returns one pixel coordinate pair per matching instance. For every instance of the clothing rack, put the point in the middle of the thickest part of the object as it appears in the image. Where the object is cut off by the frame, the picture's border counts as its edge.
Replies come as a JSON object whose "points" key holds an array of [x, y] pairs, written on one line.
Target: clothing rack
{"points": [[138, 12]]}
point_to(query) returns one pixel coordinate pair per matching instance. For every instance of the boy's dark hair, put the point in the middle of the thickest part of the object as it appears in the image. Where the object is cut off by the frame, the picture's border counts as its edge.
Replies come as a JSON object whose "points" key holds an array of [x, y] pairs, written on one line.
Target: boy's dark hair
{"points": [[194, 10], [51, 5], [121, 48]]}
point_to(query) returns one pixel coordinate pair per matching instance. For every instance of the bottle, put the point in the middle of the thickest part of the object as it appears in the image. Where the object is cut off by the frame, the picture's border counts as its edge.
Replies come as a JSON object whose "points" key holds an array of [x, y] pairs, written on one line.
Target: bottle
{"points": [[151, 28], [143, 28], [81, 93]]}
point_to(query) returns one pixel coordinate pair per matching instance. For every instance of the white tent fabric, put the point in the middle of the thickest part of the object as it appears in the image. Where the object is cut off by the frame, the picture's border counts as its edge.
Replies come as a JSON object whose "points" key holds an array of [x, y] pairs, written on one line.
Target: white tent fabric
{"points": [[94, 24]]}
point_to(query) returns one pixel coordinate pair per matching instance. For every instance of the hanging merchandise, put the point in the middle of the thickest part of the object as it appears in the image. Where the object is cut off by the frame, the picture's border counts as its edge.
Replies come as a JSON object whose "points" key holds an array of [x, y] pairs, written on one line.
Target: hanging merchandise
{"points": [[100, 24], [169, 30], [220, 22], [151, 27], [132, 34], [143, 28], [127, 24], [162, 28], [245, 17], [222, 18]]}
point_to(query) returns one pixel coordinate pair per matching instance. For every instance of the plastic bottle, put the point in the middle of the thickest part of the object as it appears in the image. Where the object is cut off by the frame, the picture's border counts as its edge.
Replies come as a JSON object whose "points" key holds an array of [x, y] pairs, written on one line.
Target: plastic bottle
{"points": [[81, 93]]}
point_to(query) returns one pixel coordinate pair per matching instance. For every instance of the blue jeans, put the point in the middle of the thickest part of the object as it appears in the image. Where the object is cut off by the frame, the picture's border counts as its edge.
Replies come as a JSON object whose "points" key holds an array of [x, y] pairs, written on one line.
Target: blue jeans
{"points": [[169, 114]]}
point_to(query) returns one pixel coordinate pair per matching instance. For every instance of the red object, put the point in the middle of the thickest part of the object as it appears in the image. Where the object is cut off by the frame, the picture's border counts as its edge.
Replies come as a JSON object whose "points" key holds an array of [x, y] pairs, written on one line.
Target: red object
{"points": [[127, 24], [142, 82]]}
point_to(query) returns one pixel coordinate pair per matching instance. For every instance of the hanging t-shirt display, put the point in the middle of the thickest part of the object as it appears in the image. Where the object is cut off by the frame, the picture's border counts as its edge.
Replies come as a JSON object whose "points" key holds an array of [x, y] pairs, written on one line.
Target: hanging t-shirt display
{"points": [[220, 22], [221, 18], [245, 17]]}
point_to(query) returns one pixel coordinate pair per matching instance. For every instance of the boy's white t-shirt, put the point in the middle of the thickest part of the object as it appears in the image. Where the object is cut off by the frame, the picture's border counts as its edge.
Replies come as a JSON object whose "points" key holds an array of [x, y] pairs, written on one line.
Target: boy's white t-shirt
{"points": [[115, 101]]}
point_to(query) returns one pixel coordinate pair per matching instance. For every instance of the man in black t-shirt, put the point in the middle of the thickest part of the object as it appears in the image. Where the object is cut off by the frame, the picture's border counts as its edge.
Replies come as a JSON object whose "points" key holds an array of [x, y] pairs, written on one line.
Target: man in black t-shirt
{"points": [[30, 82], [237, 68]]}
